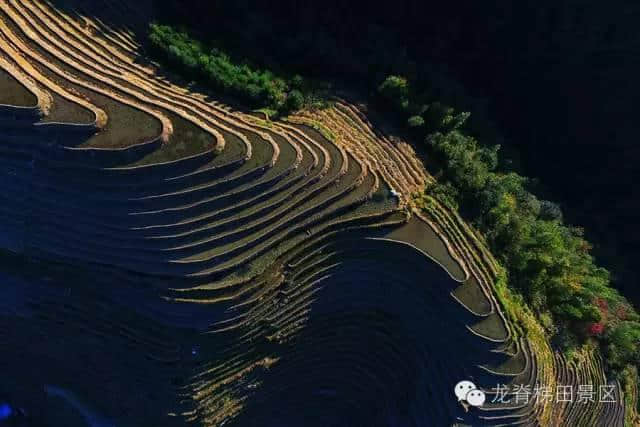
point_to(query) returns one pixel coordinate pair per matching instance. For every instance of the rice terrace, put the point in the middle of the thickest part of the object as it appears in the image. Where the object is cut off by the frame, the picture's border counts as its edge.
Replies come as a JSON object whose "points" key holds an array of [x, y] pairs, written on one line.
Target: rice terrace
{"points": [[198, 242]]}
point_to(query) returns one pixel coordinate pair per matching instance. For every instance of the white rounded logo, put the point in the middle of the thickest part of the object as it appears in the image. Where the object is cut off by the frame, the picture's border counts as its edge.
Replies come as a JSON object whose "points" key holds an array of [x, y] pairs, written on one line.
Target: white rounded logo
{"points": [[462, 388], [475, 398]]}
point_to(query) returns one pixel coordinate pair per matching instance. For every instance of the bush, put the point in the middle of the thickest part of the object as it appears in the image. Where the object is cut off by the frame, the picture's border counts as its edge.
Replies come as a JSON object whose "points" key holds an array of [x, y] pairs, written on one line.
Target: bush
{"points": [[550, 211], [444, 193], [295, 101], [396, 90], [259, 88], [623, 342], [297, 82], [595, 329], [415, 122]]}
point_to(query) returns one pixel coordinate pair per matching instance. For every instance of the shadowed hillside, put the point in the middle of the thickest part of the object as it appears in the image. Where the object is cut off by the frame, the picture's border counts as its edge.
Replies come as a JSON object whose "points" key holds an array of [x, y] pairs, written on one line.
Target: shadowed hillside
{"points": [[168, 259], [556, 79]]}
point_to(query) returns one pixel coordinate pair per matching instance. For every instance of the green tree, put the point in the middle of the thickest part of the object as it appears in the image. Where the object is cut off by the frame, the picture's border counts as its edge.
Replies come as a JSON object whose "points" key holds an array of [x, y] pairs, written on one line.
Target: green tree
{"points": [[396, 90], [550, 211], [415, 122], [259, 88], [623, 344], [295, 101]]}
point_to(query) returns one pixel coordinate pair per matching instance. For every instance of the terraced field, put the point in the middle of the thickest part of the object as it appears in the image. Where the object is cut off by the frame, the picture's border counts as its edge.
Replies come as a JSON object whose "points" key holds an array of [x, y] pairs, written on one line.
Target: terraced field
{"points": [[168, 260]]}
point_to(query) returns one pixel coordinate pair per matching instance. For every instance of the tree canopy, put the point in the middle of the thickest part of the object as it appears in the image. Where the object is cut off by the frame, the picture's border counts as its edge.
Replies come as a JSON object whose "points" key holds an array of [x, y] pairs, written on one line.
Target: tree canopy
{"points": [[547, 261], [258, 88]]}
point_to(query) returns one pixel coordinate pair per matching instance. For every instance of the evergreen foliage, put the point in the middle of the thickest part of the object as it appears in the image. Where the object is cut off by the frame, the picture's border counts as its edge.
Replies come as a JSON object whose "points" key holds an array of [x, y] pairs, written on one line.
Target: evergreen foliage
{"points": [[258, 88], [547, 261]]}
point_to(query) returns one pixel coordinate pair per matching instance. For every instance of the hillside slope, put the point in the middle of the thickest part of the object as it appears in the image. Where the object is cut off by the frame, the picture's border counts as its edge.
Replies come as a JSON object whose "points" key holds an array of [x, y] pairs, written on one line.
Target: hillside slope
{"points": [[170, 260]]}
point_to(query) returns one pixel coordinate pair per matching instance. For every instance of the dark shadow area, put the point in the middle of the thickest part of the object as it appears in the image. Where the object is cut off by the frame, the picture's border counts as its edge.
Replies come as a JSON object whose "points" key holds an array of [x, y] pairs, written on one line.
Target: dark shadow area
{"points": [[554, 82], [116, 15], [384, 345]]}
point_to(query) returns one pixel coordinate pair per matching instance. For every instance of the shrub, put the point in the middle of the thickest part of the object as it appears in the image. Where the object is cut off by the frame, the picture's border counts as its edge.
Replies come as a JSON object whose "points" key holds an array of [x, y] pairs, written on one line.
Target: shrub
{"points": [[444, 193], [259, 88], [440, 117], [623, 342], [396, 90], [297, 82], [415, 122], [295, 101], [595, 329], [550, 211]]}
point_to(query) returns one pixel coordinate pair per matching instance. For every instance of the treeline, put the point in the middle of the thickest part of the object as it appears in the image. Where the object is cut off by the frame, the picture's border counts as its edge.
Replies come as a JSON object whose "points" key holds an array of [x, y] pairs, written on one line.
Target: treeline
{"points": [[555, 77], [213, 67], [547, 261]]}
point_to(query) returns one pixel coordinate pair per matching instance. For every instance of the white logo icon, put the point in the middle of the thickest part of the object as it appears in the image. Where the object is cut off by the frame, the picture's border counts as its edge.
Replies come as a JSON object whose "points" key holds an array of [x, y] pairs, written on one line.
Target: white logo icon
{"points": [[462, 388], [476, 398], [467, 391]]}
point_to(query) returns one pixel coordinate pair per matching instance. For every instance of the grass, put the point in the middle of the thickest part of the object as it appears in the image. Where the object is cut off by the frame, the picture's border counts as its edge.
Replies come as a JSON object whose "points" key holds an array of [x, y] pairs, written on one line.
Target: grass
{"points": [[268, 112], [324, 131], [631, 402]]}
